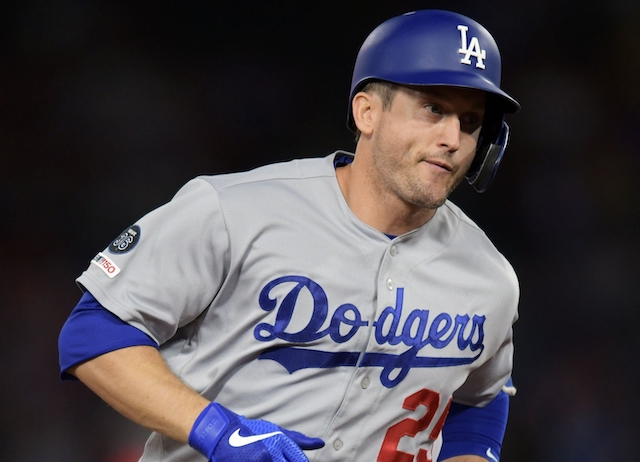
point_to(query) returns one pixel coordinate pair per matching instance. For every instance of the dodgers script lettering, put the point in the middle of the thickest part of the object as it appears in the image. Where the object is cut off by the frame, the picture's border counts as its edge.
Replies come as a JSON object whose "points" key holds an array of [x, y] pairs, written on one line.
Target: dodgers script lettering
{"points": [[418, 330]]}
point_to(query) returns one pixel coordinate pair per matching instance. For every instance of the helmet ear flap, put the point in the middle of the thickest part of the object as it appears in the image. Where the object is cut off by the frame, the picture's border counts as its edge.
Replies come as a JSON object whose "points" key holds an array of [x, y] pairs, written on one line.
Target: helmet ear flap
{"points": [[491, 146]]}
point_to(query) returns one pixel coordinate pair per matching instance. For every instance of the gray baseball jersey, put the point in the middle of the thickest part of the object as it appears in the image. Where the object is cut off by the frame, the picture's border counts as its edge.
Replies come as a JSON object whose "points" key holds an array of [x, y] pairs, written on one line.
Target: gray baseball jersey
{"points": [[270, 297]]}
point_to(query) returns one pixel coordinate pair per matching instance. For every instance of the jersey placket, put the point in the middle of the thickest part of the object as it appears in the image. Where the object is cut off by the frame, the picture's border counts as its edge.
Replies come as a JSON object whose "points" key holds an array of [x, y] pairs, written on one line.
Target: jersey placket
{"points": [[355, 417]]}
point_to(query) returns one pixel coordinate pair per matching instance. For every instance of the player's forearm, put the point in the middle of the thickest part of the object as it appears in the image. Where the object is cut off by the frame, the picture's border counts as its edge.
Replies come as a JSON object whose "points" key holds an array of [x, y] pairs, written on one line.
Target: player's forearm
{"points": [[137, 383]]}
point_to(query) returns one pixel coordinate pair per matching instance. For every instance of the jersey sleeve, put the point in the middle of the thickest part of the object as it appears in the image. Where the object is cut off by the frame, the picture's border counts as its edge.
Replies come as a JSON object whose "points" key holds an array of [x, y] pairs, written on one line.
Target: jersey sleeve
{"points": [[92, 331], [165, 270]]}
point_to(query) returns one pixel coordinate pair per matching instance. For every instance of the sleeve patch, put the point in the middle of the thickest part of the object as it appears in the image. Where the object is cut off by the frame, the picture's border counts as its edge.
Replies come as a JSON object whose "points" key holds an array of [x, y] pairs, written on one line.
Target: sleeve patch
{"points": [[106, 265], [126, 241]]}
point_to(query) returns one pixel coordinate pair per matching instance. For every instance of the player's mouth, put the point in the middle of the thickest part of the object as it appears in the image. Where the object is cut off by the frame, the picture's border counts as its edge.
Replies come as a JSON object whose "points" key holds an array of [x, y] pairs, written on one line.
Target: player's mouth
{"points": [[440, 164]]}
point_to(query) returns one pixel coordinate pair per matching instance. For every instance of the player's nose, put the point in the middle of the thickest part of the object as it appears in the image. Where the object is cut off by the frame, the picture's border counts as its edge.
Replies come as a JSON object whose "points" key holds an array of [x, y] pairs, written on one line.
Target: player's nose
{"points": [[449, 134]]}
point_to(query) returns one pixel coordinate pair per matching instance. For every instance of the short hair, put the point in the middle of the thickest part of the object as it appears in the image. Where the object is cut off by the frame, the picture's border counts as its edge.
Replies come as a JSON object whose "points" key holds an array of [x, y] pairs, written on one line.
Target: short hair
{"points": [[385, 90]]}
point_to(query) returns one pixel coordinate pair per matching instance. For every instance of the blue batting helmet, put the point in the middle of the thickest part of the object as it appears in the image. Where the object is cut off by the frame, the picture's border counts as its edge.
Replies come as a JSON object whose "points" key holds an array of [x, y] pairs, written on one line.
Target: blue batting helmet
{"points": [[435, 47]]}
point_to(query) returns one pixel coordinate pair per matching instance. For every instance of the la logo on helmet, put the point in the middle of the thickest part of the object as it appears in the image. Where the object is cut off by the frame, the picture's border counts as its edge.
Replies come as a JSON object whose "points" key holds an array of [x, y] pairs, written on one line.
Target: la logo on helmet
{"points": [[472, 49]]}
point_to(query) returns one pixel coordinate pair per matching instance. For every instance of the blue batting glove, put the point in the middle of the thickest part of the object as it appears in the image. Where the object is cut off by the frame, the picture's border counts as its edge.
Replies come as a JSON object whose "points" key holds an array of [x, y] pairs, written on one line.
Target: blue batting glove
{"points": [[223, 436]]}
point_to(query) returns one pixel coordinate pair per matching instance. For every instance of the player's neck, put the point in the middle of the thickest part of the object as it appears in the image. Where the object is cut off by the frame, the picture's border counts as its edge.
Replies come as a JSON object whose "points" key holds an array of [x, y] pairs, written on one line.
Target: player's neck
{"points": [[381, 211]]}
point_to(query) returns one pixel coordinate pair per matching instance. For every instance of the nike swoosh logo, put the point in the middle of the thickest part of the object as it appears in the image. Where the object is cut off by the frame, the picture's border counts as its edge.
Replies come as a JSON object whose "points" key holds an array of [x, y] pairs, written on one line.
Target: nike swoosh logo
{"points": [[237, 440], [490, 455]]}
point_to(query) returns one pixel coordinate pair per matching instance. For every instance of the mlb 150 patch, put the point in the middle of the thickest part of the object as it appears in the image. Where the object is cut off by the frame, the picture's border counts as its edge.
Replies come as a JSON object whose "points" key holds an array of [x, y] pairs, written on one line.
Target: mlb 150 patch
{"points": [[106, 264]]}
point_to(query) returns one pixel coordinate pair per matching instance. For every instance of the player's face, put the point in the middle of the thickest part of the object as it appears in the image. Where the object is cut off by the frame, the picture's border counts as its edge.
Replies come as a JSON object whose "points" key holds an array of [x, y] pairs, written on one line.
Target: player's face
{"points": [[425, 142]]}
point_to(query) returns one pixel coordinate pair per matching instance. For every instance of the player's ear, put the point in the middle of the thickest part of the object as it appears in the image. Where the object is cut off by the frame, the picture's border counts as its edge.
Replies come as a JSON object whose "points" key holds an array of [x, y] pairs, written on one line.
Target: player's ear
{"points": [[364, 112]]}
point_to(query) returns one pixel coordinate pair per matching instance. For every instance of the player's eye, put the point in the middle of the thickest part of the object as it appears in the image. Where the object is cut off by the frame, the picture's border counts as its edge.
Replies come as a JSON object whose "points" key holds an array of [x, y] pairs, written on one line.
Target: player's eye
{"points": [[469, 123], [433, 108]]}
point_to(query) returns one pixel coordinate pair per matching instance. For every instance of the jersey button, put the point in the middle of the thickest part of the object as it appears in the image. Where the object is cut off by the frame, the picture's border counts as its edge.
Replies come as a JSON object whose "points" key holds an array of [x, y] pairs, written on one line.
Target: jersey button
{"points": [[390, 284], [393, 250], [338, 444], [365, 383]]}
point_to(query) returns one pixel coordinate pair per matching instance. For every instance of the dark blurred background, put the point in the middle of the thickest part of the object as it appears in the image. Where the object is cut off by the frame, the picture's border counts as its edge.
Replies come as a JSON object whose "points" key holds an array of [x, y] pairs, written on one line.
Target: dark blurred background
{"points": [[107, 108]]}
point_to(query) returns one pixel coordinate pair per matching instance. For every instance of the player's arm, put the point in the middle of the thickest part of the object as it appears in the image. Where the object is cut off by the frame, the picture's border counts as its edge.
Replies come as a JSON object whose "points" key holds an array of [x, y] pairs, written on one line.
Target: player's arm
{"points": [[137, 383], [475, 434], [125, 368]]}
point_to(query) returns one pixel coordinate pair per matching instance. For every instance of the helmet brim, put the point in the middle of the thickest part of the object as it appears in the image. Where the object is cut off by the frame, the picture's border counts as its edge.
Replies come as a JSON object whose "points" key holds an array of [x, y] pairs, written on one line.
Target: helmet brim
{"points": [[502, 102]]}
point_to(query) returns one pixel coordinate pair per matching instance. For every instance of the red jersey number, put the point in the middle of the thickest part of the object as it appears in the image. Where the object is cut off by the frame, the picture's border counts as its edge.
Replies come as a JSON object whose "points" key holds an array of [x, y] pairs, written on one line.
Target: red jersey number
{"points": [[410, 427]]}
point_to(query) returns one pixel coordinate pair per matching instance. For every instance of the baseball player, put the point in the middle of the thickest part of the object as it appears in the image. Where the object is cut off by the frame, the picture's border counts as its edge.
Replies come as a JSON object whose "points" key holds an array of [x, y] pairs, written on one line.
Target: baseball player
{"points": [[325, 309]]}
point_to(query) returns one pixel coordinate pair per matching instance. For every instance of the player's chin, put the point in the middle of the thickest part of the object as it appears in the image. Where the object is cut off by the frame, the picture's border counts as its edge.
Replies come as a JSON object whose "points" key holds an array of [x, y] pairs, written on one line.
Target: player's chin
{"points": [[435, 194], [432, 199]]}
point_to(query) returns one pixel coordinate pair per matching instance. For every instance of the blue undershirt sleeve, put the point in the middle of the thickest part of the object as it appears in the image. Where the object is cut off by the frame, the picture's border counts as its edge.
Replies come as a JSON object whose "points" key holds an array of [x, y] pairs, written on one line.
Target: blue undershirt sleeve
{"points": [[91, 330], [479, 431]]}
